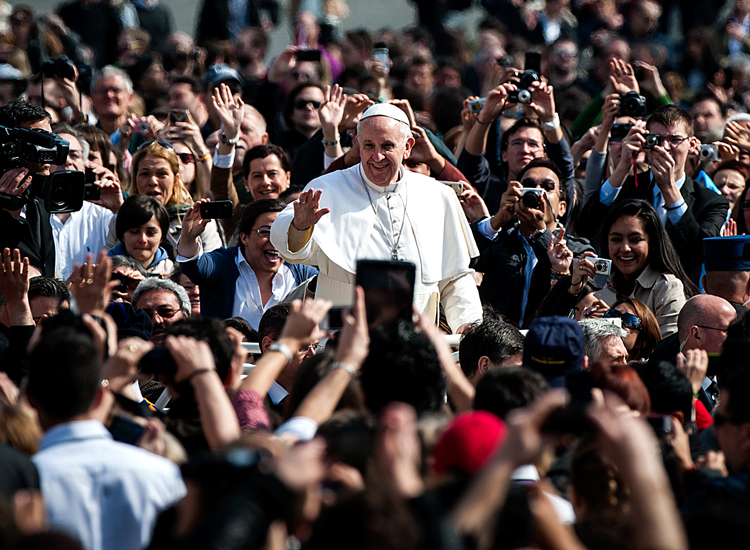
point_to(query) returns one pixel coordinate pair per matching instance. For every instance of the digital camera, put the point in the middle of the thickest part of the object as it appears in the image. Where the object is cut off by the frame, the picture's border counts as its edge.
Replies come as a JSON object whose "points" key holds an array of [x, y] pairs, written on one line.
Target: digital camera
{"points": [[531, 197], [633, 104]]}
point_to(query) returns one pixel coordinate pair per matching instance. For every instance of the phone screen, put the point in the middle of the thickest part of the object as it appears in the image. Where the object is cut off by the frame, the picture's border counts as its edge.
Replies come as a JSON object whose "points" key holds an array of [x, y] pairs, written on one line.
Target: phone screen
{"points": [[389, 290]]}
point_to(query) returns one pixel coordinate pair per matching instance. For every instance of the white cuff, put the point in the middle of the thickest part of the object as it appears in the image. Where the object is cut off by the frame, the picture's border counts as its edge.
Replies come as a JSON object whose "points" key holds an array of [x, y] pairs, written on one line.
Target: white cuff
{"points": [[485, 228], [182, 259], [300, 426], [223, 161]]}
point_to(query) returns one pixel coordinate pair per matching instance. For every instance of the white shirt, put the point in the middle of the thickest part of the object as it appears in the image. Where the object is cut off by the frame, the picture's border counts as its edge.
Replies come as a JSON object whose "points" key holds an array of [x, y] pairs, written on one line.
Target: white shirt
{"points": [[105, 493], [84, 232], [248, 303]]}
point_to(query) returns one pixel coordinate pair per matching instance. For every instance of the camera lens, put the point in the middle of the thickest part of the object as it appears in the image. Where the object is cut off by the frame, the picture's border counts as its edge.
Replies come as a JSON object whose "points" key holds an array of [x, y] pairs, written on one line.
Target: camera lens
{"points": [[524, 96], [530, 199], [59, 194]]}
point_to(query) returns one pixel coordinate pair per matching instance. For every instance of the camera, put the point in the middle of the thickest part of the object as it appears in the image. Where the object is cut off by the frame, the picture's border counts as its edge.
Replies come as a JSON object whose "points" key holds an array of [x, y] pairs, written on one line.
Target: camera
{"points": [[476, 105], [633, 104], [709, 153], [531, 197], [602, 266], [652, 140], [619, 131], [520, 96], [62, 191], [533, 67], [62, 67]]}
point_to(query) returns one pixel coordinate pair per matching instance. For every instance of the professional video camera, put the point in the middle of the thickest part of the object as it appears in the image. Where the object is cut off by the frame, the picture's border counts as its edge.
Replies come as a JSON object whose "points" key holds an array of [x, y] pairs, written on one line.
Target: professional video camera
{"points": [[62, 191]]}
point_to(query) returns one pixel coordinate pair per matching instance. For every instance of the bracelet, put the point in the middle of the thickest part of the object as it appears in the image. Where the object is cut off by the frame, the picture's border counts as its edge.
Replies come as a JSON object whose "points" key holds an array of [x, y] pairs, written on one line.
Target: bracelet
{"points": [[576, 284], [330, 144], [197, 373], [483, 123], [282, 349], [204, 158], [343, 366], [226, 141], [674, 207], [560, 273]]}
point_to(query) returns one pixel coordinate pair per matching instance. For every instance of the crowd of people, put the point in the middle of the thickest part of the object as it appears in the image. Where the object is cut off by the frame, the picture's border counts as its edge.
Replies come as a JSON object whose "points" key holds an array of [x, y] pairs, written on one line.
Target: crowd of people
{"points": [[192, 354]]}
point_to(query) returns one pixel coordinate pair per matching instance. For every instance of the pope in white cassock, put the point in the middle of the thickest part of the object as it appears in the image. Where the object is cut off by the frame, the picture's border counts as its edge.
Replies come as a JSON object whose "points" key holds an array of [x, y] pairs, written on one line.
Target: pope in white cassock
{"points": [[379, 210]]}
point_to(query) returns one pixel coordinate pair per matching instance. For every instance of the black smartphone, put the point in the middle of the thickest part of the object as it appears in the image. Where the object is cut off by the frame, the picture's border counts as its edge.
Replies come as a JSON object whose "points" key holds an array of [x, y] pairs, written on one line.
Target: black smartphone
{"points": [[572, 418], [89, 176], [125, 430], [389, 290], [92, 192], [217, 210], [158, 361], [178, 115], [619, 130], [334, 319], [308, 55], [533, 62]]}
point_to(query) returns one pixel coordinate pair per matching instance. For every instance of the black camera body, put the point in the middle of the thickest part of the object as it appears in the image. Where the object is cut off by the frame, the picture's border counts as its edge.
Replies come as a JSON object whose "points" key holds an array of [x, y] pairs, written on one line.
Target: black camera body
{"points": [[524, 94], [62, 67], [652, 140], [62, 191], [633, 104]]}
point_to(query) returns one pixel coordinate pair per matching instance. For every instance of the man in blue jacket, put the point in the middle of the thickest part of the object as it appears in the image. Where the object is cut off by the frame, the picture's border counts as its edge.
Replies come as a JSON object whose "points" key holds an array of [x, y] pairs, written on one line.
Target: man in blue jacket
{"points": [[244, 280]]}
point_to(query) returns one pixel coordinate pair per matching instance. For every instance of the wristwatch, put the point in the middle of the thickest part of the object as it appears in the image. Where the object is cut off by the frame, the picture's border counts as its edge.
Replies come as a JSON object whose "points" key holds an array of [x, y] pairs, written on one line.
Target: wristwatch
{"points": [[226, 141], [329, 144], [282, 349], [554, 124]]}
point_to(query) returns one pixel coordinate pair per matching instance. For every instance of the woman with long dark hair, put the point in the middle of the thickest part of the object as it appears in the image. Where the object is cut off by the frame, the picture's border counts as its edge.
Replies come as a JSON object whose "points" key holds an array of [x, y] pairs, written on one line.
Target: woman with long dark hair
{"points": [[644, 265]]}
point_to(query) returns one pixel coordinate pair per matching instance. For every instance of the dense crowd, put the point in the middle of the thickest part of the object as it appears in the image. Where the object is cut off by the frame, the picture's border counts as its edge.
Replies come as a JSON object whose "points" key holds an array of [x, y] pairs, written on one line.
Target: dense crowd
{"points": [[393, 289]]}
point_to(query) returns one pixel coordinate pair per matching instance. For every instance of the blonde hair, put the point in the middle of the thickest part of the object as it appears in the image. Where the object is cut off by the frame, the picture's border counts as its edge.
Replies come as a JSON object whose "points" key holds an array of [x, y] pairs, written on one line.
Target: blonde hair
{"points": [[180, 194]]}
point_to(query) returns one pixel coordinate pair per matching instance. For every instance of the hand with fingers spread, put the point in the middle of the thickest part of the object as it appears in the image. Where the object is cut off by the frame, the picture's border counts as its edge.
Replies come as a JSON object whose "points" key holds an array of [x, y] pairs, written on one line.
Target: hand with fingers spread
{"points": [[560, 256], [90, 284], [424, 151], [306, 210], [122, 366], [622, 77], [303, 321], [193, 226], [727, 151], [331, 111], [405, 106], [735, 133], [229, 109], [14, 285], [651, 81], [14, 182], [353, 109]]}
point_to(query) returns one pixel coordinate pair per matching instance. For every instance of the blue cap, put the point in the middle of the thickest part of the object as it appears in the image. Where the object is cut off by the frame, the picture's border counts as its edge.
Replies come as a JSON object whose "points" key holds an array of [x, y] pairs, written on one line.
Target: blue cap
{"points": [[130, 323], [727, 253], [554, 347], [221, 73]]}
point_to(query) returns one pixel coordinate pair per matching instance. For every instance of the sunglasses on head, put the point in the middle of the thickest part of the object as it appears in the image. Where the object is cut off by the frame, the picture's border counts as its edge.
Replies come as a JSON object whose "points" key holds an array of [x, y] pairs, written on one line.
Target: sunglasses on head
{"points": [[628, 319], [162, 143], [303, 103]]}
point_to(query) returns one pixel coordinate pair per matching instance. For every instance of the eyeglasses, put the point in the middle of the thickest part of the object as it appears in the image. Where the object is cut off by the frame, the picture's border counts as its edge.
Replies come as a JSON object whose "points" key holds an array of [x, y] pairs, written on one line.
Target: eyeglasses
{"points": [[547, 185], [164, 312], [628, 319], [264, 231], [565, 53], [723, 420], [712, 328], [314, 347], [675, 141], [186, 158], [517, 143], [162, 143], [114, 90], [303, 103]]}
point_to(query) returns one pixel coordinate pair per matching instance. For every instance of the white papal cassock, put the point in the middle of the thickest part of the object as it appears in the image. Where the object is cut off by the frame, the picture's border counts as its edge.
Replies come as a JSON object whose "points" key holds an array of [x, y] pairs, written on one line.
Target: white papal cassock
{"points": [[436, 237]]}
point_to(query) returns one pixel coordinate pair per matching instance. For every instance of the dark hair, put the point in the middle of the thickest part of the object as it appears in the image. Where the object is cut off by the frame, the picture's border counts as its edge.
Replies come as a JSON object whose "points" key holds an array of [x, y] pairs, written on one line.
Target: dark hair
{"points": [[291, 97], [360, 38], [502, 389], [194, 83], [263, 151], [496, 340], [127, 261], [212, 332], [139, 209], [550, 165], [649, 335], [49, 287], [558, 299], [18, 112], [256, 209], [402, 366], [670, 115], [668, 388], [707, 96], [240, 324], [662, 255], [273, 321], [64, 373], [736, 380], [519, 125], [446, 107]]}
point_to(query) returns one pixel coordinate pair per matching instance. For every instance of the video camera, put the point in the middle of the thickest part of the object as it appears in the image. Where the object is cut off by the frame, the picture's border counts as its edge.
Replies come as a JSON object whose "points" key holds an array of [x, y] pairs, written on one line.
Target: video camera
{"points": [[62, 191]]}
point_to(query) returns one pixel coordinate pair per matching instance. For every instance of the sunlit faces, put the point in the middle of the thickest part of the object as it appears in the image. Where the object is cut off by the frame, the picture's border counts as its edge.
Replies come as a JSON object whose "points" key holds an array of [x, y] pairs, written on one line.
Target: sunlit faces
{"points": [[613, 351], [706, 116], [163, 307], [628, 246], [382, 148], [193, 293], [187, 162], [155, 179], [523, 146], [142, 242], [267, 178], [632, 334], [110, 98], [75, 160], [257, 247], [546, 179], [730, 183], [305, 113]]}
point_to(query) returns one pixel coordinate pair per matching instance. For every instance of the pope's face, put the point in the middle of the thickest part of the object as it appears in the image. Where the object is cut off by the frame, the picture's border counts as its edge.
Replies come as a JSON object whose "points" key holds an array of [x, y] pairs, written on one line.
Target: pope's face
{"points": [[382, 148]]}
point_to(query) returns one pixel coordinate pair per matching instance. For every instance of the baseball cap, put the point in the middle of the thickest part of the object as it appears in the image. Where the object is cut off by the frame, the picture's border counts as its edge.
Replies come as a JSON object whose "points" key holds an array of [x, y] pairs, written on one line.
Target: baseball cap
{"points": [[221, 73], [554, 347], [469, 442]]}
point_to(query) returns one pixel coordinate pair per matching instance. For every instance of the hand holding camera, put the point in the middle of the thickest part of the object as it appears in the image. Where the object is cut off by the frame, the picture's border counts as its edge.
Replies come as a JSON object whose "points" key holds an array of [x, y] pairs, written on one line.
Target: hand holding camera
{"points": [[582, 270]]}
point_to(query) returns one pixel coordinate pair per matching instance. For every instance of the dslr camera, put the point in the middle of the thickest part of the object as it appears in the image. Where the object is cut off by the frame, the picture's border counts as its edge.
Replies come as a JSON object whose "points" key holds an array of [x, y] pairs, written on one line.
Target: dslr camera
{"points": [[62, 191], [532, 197], [633, 104], [62, 67], [533, 65]]}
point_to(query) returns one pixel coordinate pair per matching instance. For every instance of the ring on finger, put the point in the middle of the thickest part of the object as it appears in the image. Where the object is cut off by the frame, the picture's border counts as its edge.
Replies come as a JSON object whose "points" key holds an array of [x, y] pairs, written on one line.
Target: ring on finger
{"points": [[89, 281]]}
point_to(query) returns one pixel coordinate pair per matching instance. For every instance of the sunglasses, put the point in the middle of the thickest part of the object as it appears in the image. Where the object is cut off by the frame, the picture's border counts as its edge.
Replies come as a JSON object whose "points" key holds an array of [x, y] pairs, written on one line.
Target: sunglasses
{"points": [[303, 103], [186, 158], [628, 319], [547, 185], [162, 143]]}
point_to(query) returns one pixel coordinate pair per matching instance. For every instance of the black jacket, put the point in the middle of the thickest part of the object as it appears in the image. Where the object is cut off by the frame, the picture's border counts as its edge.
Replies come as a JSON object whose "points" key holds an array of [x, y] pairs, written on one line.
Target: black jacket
{"points": [[214, 16], [32, 235], [503, 262], [706, 213]]}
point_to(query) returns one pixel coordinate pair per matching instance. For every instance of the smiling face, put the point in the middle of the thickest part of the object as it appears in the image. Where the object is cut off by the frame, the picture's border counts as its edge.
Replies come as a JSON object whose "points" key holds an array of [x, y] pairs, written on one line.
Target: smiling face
{"points": [[155, 179], [267, 178], [628, 246], [730, 183], [110, 98], [142, 242], [382, 148], [258, 250]]}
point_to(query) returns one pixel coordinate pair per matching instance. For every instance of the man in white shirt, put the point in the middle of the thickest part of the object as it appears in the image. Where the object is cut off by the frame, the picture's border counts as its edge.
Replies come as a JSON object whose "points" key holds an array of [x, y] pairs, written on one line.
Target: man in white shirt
{"points": [[379, 210], [105, 493]]}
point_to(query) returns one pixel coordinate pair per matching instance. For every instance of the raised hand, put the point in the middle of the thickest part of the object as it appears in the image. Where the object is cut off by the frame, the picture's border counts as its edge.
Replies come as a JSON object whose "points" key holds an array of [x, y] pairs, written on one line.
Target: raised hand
{"points": [[109, 183], [306, 210], [560, 256], [90, 284], [694, 366], [735, 134], [729, 229], [14, 285], [14, 182], [494, 104], [192, 223], [331, 111], [229, 109], [543, 102], [304, 319], [622, 77], [582, 271], [353, 109], [473, 205]]}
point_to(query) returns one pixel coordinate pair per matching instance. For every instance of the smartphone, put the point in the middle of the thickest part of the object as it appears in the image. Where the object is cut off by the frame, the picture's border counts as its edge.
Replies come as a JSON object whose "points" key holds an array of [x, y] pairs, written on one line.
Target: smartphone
{"points": [[178, 115], [308, 55], [92, 192], [572, 418], [89, 176], [661, 424], [380, 52], [125, 430], [389, 290], [533, 62], [334, 320], [217, 210]]}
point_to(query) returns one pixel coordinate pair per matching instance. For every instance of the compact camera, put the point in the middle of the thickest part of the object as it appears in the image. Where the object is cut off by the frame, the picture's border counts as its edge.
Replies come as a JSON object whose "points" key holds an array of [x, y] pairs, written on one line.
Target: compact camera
{"points": [[652, 140], [602, 266], [531, 197], [619, 130], [709, 153], [533, 67], [476, 105], [633, 104]]}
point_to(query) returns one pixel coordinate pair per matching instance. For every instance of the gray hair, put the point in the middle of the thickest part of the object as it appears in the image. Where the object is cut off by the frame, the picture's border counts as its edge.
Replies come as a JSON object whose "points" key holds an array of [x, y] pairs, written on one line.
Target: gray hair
{"points": [[163, 285], [127, 261], [595, 332], [405, 130], [111, 71]]}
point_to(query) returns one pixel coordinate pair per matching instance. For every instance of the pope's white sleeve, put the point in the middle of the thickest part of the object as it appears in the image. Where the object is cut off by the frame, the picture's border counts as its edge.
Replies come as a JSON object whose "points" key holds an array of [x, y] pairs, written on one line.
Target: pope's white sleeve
{"points": [[460, 299], [280, 238]]}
